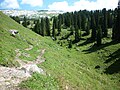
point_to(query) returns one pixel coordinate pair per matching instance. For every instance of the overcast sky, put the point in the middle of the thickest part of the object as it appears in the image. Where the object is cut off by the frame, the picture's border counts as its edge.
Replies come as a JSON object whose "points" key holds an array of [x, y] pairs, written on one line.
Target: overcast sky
{"points": [[65, 5]]}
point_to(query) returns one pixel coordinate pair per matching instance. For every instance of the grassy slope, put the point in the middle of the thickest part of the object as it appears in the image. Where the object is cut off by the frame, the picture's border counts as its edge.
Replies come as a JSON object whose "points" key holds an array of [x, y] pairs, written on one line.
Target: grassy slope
{"points": [[9, 43], [70, 69]]}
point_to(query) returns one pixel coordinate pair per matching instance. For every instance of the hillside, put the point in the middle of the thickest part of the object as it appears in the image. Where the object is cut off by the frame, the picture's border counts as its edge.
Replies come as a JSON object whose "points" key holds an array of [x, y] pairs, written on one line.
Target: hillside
{"points": [[66, 69]]}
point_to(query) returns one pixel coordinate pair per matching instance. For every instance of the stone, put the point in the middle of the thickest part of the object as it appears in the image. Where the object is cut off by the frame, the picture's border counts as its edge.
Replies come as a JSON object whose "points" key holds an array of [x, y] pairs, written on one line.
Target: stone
{"points": [[31, 68], [13, 32]]}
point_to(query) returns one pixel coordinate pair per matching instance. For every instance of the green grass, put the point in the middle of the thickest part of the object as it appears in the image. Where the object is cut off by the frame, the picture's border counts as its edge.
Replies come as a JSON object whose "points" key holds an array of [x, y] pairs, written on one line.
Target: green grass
{"points": [[66, 68], [34, 83], [9, 43], [30, 54]]}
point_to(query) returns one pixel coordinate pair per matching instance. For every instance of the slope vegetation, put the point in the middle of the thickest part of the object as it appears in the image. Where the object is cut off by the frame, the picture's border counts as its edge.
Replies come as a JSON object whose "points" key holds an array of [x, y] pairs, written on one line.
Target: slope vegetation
{"points": [[66, 69]]}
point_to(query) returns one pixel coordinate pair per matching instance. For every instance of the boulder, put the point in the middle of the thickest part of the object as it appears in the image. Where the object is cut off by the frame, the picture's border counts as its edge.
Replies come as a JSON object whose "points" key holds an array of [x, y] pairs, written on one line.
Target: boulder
{"points": [[32, 68], [13, 32]]}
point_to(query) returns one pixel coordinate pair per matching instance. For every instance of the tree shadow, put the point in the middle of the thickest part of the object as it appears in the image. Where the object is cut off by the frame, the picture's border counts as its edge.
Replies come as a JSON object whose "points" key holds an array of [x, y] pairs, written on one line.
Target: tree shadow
{"points": [[94, 47], [115, 66], [113, 56], [89, 40], [74, 41]]}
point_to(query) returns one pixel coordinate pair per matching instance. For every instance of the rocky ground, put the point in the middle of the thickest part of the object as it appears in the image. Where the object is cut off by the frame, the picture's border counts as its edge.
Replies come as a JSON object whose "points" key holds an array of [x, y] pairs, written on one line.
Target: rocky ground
{"points": [[10, 78]]}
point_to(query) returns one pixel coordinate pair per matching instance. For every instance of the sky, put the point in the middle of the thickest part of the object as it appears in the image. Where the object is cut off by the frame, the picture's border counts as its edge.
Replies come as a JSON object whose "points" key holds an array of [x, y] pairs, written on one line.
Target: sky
{"points": [[64, 5]]}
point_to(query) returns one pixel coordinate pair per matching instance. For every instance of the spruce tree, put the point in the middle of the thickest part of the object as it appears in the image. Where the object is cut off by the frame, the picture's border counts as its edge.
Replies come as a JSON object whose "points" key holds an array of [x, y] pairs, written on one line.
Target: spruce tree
{"points": [[76, 27], [53, 29], [118, 25], [56, 22], [84, 23], [116, 28], [43, 28], [93, 27], [67, 19], [96, 13], [98, 27], [87, 27], [72, 18], [79, 23], [77, 37], [37, 27], [79, 20], [47, 26], [24, 22], [59, 26], [109, 18], [61, 18], [99, 36], [113, 30], [105, 31]]}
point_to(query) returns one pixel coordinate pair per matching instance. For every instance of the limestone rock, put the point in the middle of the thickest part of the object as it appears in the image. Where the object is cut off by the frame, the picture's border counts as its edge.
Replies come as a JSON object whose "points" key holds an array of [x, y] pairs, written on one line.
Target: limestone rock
{"points": [[32, 68], [13, 32]]}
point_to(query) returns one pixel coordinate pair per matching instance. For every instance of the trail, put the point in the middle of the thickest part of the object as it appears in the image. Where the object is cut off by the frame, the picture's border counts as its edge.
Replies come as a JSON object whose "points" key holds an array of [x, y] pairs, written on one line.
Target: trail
{"points": [[10, 78]]}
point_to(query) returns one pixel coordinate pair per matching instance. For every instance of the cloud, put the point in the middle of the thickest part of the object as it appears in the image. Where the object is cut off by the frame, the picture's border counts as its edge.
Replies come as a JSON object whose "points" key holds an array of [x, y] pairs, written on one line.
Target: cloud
{"points": [[59, 6], [84, 4], [33, 3], [10, 4]]}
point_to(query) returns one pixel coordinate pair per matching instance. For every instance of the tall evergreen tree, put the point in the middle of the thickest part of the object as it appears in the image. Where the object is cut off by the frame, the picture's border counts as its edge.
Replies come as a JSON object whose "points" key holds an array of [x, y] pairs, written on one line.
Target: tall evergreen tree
{"points": [[71, 19], [98, 27], [43, 28], [113, 30], [109, 18], [88, 27], [67, 19], [118, 24], [59, 26], [79, 23], [93, 27], [85, 23], [99, 36], [77, 37], [79, 20], [37, 27], [53, 29], [105, 31], [61, 18], [47, 26], [116, 29], [56, 22], [24, 22], [96, 13]]}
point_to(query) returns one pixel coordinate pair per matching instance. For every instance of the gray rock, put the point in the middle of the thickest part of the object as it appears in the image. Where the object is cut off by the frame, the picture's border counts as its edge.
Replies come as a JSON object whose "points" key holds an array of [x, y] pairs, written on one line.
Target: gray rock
{"points": [[13, 32], [31, 68]]}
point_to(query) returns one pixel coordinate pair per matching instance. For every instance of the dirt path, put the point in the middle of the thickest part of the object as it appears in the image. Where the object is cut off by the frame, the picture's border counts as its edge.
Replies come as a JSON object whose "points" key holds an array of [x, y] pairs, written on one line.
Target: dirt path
{"points": [[11, 77], [39, 58]]}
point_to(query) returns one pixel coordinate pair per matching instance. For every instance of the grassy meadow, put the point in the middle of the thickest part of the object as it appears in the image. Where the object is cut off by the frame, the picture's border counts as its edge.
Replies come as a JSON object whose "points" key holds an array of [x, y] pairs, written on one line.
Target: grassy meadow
{"points": [[66, 69]]}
